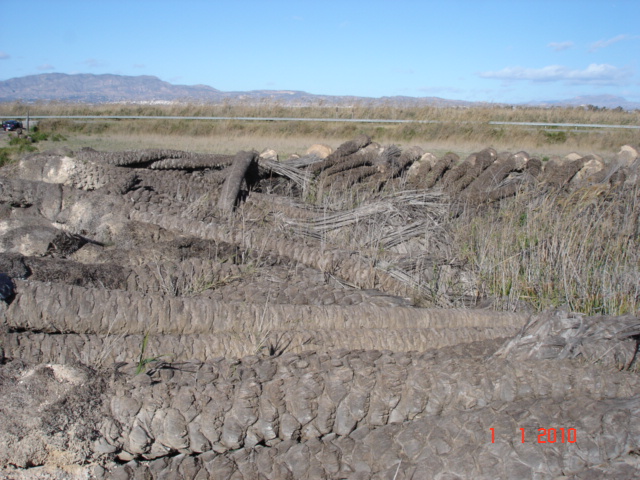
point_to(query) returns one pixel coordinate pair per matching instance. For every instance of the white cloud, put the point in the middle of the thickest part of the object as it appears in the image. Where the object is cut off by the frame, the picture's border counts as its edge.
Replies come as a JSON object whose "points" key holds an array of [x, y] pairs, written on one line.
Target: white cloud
{"points": [[607, 43], [4, 55], [559, 46], [139, 65], [594, 74], [46, 66]]}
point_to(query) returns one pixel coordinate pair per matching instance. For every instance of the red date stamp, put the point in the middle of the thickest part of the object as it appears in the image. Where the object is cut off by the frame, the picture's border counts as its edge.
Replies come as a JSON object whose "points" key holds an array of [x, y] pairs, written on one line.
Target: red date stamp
{"points": [[547, 435]]}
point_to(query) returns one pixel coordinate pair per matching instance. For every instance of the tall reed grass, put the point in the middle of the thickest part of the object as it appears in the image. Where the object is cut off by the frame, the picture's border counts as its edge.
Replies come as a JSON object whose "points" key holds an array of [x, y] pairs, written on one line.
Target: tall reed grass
{"points": [[359, 110], [578, 250]]}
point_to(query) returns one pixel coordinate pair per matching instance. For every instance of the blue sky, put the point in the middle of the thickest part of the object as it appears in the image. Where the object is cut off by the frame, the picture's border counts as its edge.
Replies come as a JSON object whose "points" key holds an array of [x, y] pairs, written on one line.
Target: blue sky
{"points": [[496, 51]]}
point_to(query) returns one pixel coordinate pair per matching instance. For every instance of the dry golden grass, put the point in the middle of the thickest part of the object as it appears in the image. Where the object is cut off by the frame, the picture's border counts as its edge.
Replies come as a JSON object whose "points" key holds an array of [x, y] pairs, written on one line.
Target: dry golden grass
{"points": [[461, 130], [361, 110], [203, 144], [291, 137]]}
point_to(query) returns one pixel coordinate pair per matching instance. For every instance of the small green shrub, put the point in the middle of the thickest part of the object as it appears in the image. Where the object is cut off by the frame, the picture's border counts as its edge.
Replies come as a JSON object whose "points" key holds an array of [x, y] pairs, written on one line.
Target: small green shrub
{"points": [[555, 137], [22, 145], [5, 156], [38, 136]]}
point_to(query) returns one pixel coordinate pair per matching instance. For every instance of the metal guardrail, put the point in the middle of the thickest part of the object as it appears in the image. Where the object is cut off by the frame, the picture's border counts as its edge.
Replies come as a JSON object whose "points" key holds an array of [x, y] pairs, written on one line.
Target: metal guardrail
{"points": [[293, 119], [576, 125], [266, 119]]}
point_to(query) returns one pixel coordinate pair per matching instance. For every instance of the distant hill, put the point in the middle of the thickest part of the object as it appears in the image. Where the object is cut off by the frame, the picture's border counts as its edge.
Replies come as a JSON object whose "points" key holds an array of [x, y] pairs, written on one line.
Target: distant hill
{"points": [[106, 88], [607, 101], [98, 88], [120, 88]]}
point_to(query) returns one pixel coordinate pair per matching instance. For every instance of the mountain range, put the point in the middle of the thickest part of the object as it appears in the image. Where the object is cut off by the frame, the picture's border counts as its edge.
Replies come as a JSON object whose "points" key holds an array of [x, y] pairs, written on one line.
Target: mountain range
{"points": [[108, 88]]}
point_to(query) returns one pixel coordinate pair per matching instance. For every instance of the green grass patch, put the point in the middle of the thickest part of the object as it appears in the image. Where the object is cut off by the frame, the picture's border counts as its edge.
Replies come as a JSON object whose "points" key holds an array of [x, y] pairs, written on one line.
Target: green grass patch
{"points": [[16, 146]]}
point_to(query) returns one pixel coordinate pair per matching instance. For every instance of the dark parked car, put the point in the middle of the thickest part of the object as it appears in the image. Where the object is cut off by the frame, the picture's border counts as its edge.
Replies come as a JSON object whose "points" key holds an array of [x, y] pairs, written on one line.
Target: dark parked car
{"points": [[12, 126]]}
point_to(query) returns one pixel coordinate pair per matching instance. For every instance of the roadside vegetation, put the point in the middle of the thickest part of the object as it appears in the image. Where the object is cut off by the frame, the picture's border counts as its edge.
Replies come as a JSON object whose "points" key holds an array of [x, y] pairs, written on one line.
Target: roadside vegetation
{"points": [[456, 129], [588, 115]]}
